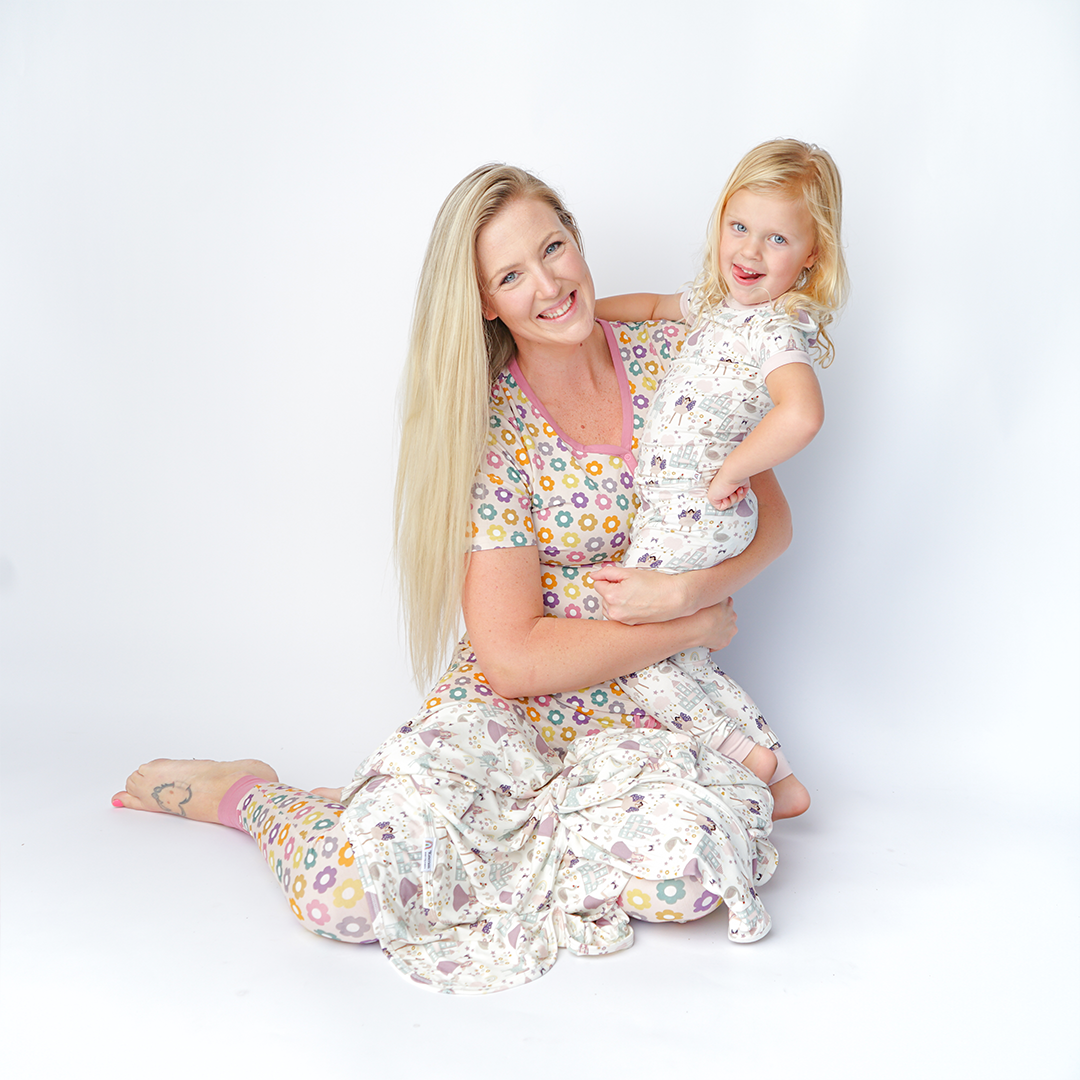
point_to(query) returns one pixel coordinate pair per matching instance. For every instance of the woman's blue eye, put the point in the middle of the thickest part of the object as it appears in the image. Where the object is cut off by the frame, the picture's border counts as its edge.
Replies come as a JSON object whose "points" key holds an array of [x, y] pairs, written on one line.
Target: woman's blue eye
{"points": [[509, 278], [553, 246]]}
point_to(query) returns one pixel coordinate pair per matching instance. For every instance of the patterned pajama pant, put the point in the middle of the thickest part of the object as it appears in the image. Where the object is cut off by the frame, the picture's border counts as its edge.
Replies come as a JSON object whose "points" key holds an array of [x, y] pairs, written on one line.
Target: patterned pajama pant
{"points": [[306, 848]]}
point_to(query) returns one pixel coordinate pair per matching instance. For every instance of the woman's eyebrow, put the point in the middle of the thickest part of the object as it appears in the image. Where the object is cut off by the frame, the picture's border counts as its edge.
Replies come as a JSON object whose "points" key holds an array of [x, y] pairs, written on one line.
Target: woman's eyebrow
{"points": [[555, 234]]}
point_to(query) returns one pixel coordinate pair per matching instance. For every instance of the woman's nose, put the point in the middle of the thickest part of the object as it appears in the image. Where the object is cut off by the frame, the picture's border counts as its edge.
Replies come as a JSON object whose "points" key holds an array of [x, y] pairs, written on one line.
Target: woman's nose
{"points": [[546, 284]]}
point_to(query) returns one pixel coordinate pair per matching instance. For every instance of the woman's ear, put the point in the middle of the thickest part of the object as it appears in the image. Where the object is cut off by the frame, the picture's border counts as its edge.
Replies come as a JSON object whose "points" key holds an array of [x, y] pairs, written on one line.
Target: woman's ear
{"points": [[486, 309]]}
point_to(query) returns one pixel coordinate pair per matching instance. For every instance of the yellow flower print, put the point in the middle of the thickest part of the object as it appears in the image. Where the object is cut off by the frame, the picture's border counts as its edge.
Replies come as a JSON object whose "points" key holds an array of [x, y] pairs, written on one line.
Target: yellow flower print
{"points": [[350, 892], [299, 886], [594, 468], [648, 383], [496, 532], [508, 436], [532, 429], [667, 915], [570, 480], [547, 580], [510, 517], [652, 367], [606, 721], [571, 540], [568, 734], [643, 335], [587, 522], [547, 734], [637, 899], [547, 482], [611, 524], [571, 591]]}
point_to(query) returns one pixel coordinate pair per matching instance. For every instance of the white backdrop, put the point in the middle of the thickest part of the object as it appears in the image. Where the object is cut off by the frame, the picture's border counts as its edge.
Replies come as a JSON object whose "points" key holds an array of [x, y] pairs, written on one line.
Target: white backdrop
{"points": [[212, 216]]}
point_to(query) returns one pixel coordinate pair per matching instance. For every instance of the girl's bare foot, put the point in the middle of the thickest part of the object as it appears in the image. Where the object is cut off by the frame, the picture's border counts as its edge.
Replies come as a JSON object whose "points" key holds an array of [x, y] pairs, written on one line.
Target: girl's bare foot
{"points": [[187, 788], [761, 762], [790, 798]]}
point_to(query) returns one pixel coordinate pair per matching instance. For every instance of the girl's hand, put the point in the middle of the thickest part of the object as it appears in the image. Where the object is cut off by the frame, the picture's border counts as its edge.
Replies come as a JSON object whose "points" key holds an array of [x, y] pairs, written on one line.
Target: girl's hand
{"points": [[634, 597], [723, 495]]}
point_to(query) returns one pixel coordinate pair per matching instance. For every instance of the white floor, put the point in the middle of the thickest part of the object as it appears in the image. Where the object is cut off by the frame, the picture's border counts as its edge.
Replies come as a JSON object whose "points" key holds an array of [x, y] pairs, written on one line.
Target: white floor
{"points": [[917, 931]]}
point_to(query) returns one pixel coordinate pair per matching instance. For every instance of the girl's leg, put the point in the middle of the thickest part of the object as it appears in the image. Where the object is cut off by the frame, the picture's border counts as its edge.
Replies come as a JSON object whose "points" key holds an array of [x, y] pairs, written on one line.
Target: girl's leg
{"points": [[299, 833]]}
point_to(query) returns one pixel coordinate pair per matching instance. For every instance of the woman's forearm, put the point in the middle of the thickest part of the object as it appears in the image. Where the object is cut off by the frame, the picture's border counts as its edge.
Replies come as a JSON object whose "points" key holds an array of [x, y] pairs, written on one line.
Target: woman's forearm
{"points": [[558, 655], [523, 653]]}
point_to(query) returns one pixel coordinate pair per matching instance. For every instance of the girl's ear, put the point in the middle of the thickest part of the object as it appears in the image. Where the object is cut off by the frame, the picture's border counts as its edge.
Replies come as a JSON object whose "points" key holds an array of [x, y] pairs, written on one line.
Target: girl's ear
{"points": [[813, 259]]}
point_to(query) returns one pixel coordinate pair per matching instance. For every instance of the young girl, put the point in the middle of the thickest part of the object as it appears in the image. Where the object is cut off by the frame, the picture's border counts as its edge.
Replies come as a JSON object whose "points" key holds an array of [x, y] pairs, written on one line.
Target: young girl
{"points": [[741, 398]]}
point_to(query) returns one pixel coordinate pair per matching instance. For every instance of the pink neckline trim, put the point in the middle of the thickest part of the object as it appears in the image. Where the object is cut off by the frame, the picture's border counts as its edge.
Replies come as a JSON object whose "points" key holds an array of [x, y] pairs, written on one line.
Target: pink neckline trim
{"points": [[623, 451]]}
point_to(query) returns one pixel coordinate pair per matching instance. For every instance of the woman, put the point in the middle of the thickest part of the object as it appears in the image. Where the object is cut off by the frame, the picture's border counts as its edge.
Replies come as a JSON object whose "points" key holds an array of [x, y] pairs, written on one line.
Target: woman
{"points": [[518, 813]]}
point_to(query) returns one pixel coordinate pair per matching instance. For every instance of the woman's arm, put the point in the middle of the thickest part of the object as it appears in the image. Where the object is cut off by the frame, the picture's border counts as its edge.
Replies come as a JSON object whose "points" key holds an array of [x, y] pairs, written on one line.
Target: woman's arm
{"points": [[639, 307], [522, 653], [645, 596]]}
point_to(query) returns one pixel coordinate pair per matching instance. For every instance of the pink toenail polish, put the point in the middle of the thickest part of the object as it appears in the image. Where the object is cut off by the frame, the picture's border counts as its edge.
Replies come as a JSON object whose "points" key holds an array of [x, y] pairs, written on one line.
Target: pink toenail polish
{"points": [[117, 802]]}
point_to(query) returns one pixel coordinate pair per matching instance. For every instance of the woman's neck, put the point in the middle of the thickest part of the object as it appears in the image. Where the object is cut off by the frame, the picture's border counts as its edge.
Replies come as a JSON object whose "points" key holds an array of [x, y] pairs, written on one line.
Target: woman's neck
{"points": [[558, 369], [579, 388]]}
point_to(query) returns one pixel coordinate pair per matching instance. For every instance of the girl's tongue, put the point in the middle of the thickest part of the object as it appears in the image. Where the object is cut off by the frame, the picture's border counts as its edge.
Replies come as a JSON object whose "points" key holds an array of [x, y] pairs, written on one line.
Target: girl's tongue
{"points": [[744, 276]]}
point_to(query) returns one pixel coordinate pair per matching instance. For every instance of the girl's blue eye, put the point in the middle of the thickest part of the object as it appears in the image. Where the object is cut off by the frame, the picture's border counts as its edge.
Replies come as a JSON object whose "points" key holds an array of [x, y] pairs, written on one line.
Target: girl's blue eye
{"points": [[737, 227], [776, 238]]}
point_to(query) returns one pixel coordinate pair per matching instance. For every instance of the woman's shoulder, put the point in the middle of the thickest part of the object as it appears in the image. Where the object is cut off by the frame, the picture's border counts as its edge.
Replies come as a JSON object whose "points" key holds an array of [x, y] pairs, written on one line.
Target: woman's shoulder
{"points": [[648, 347]]}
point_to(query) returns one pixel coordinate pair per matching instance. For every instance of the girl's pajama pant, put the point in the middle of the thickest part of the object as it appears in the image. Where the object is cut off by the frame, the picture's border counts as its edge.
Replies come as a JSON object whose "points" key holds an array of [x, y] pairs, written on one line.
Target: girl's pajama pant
{"points": [[306, 848]]}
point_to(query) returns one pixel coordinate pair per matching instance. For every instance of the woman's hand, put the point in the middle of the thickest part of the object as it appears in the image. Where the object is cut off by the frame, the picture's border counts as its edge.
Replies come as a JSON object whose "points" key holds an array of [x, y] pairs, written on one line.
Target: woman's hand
{"points": [[718, 624], [634, 597]]}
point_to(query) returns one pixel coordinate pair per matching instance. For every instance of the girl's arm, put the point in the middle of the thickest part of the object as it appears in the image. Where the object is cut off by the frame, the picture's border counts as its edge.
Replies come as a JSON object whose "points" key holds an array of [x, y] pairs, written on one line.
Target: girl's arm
{"points": [[522, 653], [639, 307], [795, 418], [646, 596]]}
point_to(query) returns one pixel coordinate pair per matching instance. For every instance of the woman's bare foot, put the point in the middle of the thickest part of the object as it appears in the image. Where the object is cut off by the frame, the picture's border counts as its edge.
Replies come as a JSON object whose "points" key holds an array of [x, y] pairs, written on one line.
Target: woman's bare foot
{"points": [[332, 794], [187, 788], [790, 798]]}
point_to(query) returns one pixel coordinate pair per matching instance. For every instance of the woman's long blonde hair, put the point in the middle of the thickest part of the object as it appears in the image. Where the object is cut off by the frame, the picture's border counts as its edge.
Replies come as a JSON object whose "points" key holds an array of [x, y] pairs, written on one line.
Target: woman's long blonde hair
{"points": [[789, 169], [454, 356]]}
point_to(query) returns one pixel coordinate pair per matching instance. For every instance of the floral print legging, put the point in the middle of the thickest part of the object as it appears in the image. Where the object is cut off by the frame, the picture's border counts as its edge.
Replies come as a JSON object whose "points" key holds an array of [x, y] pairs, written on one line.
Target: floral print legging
{"points": [[306, 848]]}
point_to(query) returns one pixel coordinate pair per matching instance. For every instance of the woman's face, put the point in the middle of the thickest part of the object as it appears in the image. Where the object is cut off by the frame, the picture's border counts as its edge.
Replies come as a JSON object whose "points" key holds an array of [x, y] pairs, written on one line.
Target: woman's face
{"points": [[533, 277]]}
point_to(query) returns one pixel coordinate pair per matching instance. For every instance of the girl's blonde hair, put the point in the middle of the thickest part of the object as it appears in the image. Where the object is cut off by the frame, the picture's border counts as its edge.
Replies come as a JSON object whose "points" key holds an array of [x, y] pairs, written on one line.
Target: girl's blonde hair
{"points": [[789, 169], [454, 356]]}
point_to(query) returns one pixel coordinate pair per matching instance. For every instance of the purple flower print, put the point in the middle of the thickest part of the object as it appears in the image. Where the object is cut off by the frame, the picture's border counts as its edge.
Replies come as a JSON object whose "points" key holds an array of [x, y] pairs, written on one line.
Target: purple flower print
{"points": [[324, 879], [551, 600], [580, 499]]}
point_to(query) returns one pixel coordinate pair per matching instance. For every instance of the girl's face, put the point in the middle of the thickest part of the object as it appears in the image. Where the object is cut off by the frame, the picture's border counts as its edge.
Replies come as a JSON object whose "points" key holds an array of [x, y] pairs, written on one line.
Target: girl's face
{"points": [[533, 277], [765, 242]]}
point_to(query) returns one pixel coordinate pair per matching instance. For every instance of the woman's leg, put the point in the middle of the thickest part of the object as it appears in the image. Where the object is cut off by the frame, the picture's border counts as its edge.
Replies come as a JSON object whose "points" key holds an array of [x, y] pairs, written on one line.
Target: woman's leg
{"points": [[299, 833], [684, 899]]}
